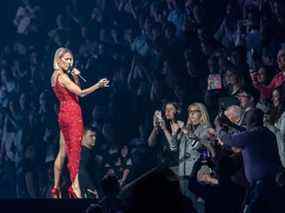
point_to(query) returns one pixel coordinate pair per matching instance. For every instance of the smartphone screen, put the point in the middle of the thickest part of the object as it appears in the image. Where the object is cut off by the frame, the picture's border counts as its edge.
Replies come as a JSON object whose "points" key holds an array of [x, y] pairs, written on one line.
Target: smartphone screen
{"points": [[214, 82], [158, 114]]}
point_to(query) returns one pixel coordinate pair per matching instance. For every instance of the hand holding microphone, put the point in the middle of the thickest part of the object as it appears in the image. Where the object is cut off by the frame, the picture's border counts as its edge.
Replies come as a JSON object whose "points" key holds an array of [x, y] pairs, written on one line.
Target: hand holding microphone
{"points": [[75, 72], [103, 83]]}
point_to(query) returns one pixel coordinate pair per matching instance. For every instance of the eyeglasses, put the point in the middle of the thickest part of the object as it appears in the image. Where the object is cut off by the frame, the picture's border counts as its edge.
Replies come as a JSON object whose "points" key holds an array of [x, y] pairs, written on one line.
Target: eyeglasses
{"points": [[243, 95], [194, 111]]}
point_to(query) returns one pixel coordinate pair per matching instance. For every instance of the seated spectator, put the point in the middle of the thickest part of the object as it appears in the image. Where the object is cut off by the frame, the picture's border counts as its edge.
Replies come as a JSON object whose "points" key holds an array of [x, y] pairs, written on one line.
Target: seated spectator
{"points": [[123, 166], [216, 185], [278, 79]]}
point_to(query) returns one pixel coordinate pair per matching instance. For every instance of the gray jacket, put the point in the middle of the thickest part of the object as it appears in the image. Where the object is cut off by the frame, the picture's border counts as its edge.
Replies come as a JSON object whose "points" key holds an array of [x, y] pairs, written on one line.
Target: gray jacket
{"points": [[188, 146]]}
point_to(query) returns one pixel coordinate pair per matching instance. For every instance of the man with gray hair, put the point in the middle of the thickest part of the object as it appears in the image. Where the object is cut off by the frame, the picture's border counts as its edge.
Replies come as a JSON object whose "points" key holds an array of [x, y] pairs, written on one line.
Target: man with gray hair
{"points": [[233, 113], [260, 159]]}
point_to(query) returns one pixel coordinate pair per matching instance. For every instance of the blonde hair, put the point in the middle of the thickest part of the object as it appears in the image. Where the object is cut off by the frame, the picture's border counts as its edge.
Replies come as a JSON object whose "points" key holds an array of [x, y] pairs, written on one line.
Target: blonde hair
{"points": [[58, 54], [204, 113]]}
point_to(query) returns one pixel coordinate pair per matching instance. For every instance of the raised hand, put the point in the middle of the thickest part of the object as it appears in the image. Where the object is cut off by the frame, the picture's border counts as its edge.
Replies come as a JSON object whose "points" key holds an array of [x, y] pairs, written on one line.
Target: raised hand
{"points": [[103, 83], [156, 118], [176, 126], [155, 122], [162, 124]]}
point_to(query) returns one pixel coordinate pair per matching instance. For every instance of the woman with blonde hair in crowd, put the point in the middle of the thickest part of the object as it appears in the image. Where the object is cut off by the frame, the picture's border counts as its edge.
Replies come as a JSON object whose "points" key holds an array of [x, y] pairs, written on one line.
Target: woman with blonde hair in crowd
{"points": [[192, 142]]}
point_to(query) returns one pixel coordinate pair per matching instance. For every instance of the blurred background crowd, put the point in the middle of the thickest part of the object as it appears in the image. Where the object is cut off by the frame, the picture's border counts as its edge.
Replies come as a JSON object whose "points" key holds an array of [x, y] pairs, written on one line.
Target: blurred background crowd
{"points": [[161, 56]]}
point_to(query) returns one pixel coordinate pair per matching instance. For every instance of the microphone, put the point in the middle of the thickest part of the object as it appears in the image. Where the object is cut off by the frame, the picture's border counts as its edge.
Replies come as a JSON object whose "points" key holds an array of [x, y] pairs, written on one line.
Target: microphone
{"points": [[69, 71]]}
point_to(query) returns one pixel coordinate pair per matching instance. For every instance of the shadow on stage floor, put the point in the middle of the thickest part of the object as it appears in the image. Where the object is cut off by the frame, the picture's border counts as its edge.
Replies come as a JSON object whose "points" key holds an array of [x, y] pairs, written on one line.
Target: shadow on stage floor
{"points": [[44, 205]]}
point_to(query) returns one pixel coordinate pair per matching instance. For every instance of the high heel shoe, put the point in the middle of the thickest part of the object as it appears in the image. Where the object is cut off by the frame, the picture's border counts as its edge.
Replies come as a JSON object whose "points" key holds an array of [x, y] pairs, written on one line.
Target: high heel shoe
{"points": [[55, 193], [71, 193]]}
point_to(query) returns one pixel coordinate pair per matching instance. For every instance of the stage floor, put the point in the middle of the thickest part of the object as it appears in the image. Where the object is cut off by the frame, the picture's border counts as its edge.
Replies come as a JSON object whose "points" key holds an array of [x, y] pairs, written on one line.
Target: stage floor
{"points": [[44, 205]]}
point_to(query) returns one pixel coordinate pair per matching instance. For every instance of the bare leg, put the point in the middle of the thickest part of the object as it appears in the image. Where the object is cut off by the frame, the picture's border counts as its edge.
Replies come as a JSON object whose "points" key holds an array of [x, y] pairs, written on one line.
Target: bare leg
{"points": [[76, 187], [59, 162]]}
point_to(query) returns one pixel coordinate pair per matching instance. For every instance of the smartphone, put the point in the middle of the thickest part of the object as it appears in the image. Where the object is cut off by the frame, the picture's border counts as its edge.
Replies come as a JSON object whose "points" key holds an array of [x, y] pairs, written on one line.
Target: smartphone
{"points": [[158, 115], [214, 82]]}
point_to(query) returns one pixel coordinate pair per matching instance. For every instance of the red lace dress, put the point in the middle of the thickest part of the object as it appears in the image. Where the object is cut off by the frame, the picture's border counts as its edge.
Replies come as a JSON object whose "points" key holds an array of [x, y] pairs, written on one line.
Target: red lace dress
{"points": [[71, 125]]}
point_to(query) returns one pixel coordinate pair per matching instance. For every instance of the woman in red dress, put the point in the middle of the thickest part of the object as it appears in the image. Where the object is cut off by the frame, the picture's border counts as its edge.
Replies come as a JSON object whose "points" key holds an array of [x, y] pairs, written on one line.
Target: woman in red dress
{"points": [[69, 118]]}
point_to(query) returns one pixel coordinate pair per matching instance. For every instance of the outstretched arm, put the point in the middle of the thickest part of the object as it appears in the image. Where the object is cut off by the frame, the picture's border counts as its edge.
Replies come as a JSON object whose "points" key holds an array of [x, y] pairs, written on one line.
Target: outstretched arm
{"points": [[74, 88], [237, 140]]}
